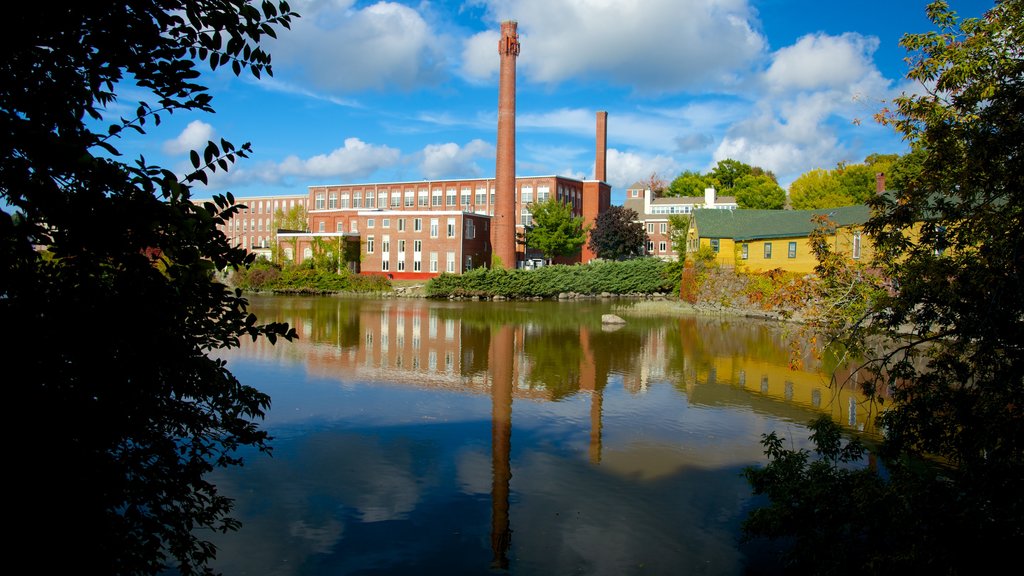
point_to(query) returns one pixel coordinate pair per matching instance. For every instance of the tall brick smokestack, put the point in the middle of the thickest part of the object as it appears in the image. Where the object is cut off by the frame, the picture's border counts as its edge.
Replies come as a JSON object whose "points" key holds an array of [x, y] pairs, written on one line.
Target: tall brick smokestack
{"points": [[503, 226], [600, 171]]}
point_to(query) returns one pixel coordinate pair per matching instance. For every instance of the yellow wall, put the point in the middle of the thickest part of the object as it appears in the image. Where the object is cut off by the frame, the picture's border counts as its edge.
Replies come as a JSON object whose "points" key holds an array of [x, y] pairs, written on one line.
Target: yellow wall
{"points": [[730, 253]]}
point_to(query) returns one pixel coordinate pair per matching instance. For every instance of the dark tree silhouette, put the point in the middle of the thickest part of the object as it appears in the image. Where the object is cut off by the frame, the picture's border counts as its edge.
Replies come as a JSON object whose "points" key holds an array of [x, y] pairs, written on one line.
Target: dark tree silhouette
{"points": [[617, 235], [107, 288]]}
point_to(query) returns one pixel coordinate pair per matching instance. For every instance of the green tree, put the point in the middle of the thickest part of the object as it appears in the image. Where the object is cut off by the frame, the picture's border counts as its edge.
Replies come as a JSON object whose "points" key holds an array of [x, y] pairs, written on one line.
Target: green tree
{"points": [[555, 231], [727, 172], [107, 286], [817, 189], [856, 182], [953, 385], [678, 233], [759, 192], [618, 234], [691, 184]]}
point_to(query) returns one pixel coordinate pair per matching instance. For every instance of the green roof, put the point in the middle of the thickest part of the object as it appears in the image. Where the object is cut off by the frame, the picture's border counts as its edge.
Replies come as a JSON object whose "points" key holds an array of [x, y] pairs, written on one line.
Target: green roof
{"points": [[760, 224]]}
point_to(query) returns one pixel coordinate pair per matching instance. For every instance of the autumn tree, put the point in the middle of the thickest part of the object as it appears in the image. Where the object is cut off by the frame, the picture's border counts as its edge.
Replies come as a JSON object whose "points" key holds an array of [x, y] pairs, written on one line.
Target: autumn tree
{"points": [[555, 231], [816, 189], [294, 218], [618, 234], [952, 378], [113, 316]]}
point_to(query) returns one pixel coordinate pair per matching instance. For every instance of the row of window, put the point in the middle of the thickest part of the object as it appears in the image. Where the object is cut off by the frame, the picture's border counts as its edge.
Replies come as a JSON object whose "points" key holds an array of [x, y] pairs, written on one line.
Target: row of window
{"points": [[423, 198], [271, 206], [790, 248]]}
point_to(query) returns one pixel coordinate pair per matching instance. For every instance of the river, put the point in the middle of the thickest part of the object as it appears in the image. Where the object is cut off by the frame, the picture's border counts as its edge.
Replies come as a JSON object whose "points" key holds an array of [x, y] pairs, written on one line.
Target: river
{"points": [[422, 437]]}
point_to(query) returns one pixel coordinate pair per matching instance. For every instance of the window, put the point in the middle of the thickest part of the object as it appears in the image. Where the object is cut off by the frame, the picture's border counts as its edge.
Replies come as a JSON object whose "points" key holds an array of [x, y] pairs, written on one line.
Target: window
{"points": [[662, 246], [371, 200], [650, 247], [401, 248], [792, 250], [433, 227], [526, 217], [417, 245], [470, 230], [715, 244], [369, 244], [423, 199], [450, 264], [526, 194], [745, 251], [385, 246], [417, 224], [663, 227], [856, 245], [319, 200], [767, 250], [451, 227], [382, 200], [465, 197], [332, 200], [435, 198], [450, 197], [323, 226], [433, 263], [385, 222], [341, 227], [401, 224], [369, 222], [481, 196], [410, 198], [543, 193], [357, 200], [650, 227], [344, 200], [396, 199]]}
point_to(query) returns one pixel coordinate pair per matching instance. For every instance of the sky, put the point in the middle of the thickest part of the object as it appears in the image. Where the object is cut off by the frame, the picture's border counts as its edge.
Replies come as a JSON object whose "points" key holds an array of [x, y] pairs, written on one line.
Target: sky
{"points": [[372, 91]]}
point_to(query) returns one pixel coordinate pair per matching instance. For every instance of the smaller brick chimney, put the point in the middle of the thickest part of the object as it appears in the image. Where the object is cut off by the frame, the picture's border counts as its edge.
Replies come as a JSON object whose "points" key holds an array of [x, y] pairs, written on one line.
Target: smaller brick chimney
{"points": [[600, 170], [879, 183]]}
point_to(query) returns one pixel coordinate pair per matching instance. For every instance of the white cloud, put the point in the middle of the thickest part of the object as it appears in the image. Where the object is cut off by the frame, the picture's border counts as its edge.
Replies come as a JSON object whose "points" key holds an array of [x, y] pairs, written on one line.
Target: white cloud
{"points": [[356, 159], [338, 46], [450, 160], [655, 45], [626, 168], [820, 61], [193, 137]]}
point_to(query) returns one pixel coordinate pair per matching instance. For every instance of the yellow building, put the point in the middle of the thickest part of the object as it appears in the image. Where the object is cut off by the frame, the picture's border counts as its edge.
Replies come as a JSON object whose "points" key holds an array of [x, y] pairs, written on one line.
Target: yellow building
{"points": [[761, 240]]}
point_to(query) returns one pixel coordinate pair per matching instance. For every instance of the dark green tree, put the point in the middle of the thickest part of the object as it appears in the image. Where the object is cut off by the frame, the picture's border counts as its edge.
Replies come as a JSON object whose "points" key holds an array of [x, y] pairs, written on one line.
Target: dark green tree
{"points": [[761, 192], [618, 234], [727, 172], [113, 317], [555, 231], [952, 382]]}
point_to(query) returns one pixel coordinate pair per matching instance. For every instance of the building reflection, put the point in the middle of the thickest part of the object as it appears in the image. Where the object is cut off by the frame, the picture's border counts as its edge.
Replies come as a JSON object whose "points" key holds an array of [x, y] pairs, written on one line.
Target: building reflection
{"points": [[522, 355]]}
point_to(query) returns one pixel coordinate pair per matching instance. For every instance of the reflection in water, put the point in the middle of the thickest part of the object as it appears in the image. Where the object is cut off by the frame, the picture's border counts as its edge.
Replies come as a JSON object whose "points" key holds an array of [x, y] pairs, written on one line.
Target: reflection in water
{"points": [[629, 442]]}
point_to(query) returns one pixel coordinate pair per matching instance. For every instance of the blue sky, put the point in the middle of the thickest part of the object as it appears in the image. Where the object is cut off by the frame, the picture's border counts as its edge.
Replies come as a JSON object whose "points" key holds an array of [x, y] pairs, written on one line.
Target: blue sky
{"points": [[405, 91]]}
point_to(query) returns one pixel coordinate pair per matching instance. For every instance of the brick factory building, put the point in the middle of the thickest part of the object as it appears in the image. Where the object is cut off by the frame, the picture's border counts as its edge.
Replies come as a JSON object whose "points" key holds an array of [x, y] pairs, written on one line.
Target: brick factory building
{"points": [[420, 229]]}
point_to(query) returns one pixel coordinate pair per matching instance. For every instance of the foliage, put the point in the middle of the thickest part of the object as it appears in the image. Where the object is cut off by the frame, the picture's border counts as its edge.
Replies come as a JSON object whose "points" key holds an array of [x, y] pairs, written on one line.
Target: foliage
{"points": [[817, 189], [949, 241], [555, 232], [678, 234], [618, 234], [728, 171], [306, 278], [132, 412], [692, 184], [637, 276], [760, 192]]}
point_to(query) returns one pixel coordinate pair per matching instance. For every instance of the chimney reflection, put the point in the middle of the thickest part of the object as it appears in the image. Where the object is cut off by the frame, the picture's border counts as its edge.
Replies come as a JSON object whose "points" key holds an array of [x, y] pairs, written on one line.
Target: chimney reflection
{"points": [[501, 358]]}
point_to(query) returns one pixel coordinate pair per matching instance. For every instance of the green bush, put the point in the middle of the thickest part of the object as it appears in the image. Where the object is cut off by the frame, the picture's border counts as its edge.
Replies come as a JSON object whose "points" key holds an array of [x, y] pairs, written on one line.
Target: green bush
{"points": [[642, 275]]}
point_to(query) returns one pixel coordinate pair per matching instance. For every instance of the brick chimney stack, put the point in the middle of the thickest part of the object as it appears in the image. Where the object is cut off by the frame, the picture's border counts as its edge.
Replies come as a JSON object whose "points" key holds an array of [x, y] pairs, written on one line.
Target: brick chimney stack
{"points": [[600, 171], [503, 224], [879, 183]]}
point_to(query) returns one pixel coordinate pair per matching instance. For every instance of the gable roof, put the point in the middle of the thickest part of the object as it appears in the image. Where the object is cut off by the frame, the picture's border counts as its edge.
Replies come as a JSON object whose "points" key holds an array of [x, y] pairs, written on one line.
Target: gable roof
{"points": [[761, 224]]}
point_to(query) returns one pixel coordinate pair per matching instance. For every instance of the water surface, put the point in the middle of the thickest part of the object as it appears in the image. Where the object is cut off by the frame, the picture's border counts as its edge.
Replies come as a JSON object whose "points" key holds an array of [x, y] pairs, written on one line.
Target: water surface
{"points": [[422, 437]]}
